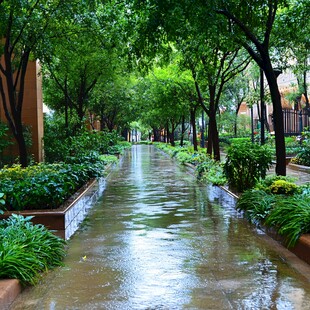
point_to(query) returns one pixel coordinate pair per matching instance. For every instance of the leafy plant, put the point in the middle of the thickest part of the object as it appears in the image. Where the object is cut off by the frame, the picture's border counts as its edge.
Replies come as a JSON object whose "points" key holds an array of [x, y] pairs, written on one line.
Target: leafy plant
{"points": [[265, 184], [245, 163], [5, 141], [211, 171], [291, 217], [256, 205], [283, 187], [184, 157], [2, 201], [27, 250], [303, 155], [45, 186]]}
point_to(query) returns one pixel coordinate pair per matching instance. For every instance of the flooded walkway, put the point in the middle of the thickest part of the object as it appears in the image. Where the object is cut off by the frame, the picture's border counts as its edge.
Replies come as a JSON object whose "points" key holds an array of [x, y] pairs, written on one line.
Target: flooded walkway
{"points": [[158, 240]]}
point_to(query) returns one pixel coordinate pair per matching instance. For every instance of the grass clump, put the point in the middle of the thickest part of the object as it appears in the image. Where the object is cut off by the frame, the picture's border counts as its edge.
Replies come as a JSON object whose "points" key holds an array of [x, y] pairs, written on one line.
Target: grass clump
{"points": [[279, 204], [27, 250], [291, 217]]}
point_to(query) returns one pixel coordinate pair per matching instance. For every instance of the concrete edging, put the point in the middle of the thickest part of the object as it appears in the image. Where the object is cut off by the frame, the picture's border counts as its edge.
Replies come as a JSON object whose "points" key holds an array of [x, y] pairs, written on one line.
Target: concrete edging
{"points": [[9, 290]]}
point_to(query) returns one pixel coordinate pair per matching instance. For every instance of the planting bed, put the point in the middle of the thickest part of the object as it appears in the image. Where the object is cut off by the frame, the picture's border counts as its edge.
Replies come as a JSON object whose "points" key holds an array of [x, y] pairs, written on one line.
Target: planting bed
{"points": [[65, 220]]}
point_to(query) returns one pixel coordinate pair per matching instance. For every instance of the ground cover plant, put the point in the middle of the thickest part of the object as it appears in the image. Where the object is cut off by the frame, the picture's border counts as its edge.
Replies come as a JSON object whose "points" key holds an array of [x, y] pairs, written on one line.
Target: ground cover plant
{"points": [[279, 203], [27, 250], [207, 169]]}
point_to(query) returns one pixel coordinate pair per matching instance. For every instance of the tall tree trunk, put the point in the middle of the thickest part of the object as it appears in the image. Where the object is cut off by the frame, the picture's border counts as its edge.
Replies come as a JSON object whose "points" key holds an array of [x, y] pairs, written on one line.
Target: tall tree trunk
{"points": [[156, 135], [182, 131], [12, 101], [305, 93], [171, 136], [213, 137], [278, 119], [193, 123], [167, 133]]}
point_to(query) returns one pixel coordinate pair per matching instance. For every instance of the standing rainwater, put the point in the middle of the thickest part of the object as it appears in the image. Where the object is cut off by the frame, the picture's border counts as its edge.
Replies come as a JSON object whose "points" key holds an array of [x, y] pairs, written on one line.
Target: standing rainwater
{"points": [[158, 240]]}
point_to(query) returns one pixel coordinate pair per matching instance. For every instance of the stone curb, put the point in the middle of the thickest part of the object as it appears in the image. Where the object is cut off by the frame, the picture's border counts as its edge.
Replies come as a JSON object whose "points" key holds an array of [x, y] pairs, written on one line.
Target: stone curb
{"points": [[9, 290]]}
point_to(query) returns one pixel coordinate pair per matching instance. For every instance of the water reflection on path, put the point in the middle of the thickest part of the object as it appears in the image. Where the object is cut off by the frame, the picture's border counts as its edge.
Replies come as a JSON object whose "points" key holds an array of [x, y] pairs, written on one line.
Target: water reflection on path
{"points": [[157, 240]]}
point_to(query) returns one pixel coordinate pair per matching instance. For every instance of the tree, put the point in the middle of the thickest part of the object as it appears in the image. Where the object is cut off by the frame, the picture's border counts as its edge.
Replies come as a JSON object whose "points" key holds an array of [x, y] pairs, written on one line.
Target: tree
{"points": [[206, 50], [165, 99], [24, 25], [293, 23], [251, 26], [112, 102], [235, 92], [78, 64]]}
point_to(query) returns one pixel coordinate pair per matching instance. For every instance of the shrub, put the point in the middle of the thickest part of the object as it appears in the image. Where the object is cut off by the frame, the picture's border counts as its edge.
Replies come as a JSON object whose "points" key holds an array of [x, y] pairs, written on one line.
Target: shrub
{"points": [[45, 186], [283, 187], [27, 250], [245, 163], [60, 146], [265, 184], [5, 141], [303, 155], [2, 201]]}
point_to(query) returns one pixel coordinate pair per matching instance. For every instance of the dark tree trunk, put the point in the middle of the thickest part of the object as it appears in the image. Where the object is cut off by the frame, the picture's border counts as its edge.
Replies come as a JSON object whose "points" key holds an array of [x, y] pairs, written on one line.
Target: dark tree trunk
{"points": [[167, 137], [156, 135], [278, 120], [12, 101], [193, 123], [182, 131], [213, 136], [171, 136]]}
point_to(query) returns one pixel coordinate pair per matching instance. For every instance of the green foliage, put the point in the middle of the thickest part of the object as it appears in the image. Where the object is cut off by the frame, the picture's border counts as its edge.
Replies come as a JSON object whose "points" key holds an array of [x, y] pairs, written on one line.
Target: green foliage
{"points": [[45, 186], [283, 187], [118, 148], [211, 171], [277, 184], [246, 162], [291, 217], [61, 144], [288, 213], [184, 157], [303, 155], [256, 205], [4, 142], [270, 179], [108, 159], [305, 190], [207, 169], [303, 152], [27, 250], [2, 199]]}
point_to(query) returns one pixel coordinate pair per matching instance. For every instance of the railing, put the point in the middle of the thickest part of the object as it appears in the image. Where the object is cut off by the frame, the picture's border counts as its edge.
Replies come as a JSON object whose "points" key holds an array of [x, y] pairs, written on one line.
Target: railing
{"points": [[295, 121]]}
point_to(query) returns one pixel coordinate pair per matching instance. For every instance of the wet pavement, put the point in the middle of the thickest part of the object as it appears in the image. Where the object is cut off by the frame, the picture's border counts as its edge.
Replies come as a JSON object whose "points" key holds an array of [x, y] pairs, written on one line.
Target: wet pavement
{"points": [[158, 240]]}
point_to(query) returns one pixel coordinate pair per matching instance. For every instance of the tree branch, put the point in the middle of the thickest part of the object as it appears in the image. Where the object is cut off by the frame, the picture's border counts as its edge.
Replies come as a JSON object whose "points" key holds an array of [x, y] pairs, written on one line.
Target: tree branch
{"points": [[244, 28]]}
